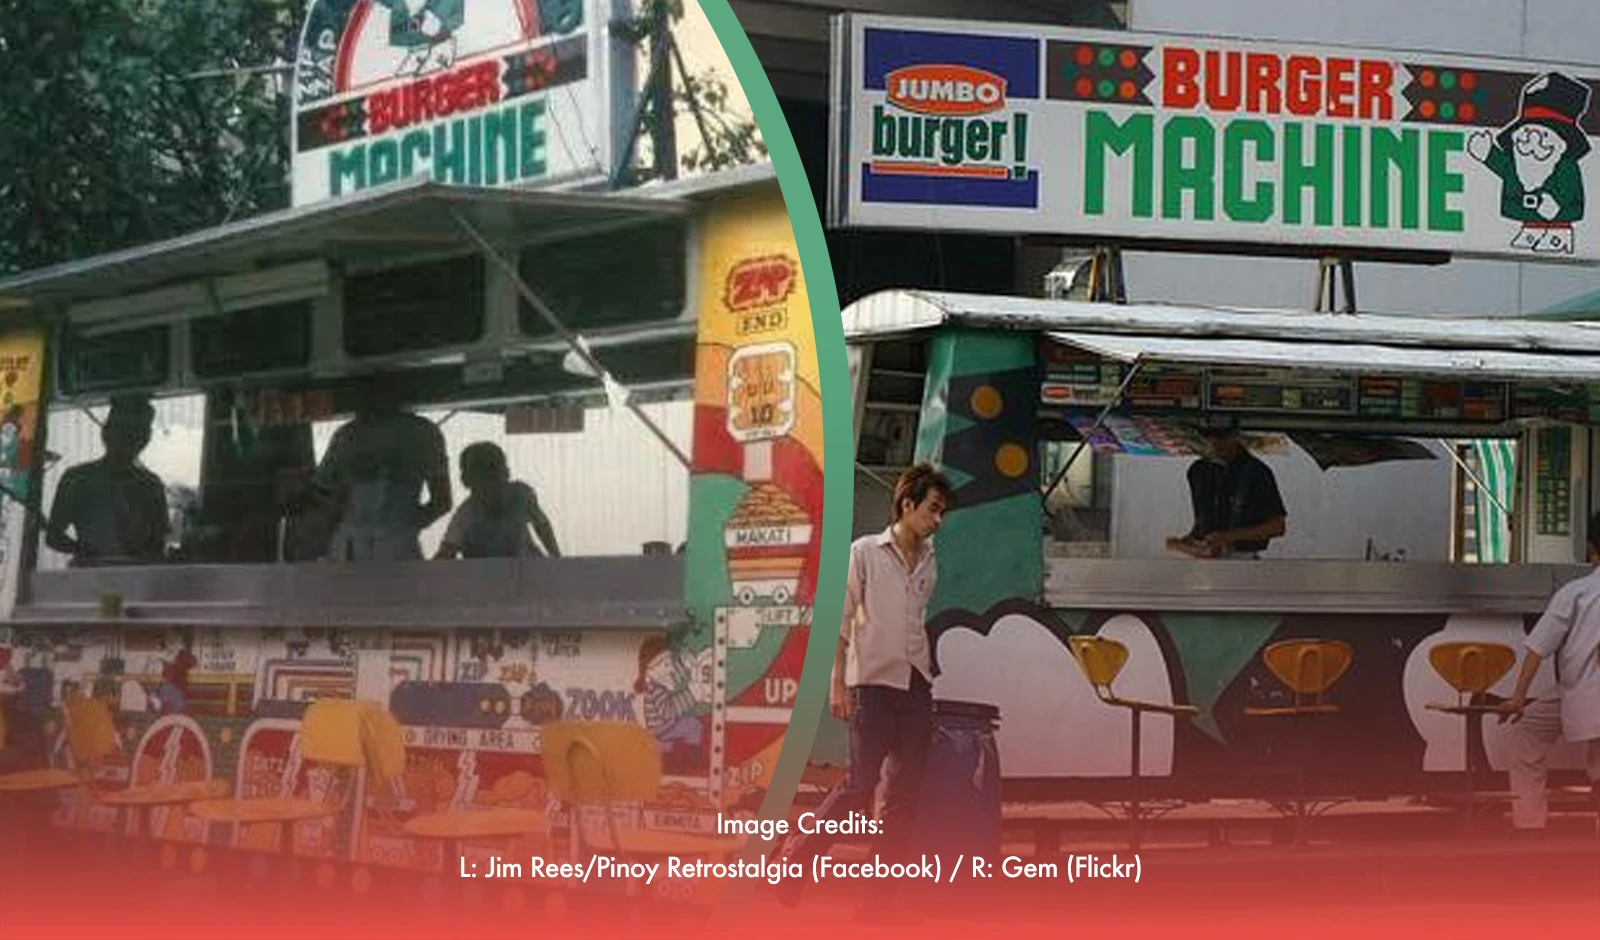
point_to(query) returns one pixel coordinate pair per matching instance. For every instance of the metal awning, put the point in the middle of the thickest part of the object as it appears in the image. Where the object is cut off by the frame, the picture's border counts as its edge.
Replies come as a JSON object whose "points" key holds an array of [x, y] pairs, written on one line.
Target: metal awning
{"points": [[1484, 364], [905, 311], [370, 226]]}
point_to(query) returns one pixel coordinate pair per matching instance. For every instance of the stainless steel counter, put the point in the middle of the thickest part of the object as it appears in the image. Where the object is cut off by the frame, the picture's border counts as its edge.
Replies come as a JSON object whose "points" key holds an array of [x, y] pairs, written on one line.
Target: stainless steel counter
{"points": [[1296, 586], [627, 593]]}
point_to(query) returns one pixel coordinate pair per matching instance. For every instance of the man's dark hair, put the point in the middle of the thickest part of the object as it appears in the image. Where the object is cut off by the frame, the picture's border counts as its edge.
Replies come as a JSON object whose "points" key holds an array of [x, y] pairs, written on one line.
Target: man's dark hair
{"points": [[1594, 531], [915, 484]]}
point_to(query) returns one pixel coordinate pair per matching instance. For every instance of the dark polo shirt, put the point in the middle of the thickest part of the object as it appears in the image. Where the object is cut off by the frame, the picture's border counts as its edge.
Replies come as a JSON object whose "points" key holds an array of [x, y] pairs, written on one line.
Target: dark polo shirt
{"points": [[1237, 495]]}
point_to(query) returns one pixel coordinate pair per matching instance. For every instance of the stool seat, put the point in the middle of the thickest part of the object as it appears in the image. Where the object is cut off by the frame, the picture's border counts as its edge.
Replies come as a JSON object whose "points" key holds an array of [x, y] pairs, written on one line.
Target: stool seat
{"points": [[1308, 708], [1101, 659], [1451, 708], [261, 810], [1161, 707], [165, 794], [505, 822], [27, 781]]}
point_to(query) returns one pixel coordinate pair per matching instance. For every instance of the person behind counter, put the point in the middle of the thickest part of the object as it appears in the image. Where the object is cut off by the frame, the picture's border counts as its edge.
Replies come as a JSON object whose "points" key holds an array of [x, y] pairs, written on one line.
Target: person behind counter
{"points": [[493, 521], [883, 674], [377, 464], [115, 508], [1569, 634], [1237, 508]]}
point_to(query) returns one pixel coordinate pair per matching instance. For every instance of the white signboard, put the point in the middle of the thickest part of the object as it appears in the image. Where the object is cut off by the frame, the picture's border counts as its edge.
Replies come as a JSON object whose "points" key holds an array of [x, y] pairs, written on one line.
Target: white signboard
{"points": [[982, 127], [482, 93]]}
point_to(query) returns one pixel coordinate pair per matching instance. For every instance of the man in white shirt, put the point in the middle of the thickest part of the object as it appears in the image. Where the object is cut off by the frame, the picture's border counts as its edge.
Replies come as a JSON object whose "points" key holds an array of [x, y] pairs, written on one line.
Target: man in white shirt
{"points": [[883, 673], [1569, 635]]}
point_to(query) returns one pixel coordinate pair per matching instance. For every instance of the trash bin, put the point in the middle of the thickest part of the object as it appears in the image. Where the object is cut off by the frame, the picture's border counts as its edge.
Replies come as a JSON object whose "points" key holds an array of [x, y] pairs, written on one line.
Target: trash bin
{"points": [[960, 810]]}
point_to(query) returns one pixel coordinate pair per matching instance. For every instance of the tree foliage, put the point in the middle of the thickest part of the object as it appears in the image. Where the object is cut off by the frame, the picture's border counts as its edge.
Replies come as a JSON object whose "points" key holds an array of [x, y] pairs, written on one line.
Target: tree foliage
{"points": [[129, 121], [108, 139]]}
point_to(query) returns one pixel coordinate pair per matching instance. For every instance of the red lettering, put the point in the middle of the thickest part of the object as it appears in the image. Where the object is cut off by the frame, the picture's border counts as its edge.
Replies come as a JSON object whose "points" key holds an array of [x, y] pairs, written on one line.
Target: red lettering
{"points": [[1224, 80], [1377, 84], [1179, 67], [380, 113], [1341, 88], [423, 102], [1303, 75], [1261, 95], [488, 79]]}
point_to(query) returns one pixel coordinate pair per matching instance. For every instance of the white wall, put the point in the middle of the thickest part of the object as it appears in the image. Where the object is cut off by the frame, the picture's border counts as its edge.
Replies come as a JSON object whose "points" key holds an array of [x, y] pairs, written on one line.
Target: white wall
{"points": [[1540, 30], [1402, 505]]}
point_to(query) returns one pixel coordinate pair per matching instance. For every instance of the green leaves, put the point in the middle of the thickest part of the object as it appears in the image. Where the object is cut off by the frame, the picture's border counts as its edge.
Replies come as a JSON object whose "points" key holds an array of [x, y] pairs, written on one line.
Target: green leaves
{"points": [[107, 141]]}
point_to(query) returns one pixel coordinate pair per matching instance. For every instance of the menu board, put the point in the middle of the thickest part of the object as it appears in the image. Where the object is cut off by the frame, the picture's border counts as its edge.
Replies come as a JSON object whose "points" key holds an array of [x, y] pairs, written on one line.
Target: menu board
{"points": [[1552, 481], [1570, 403], [1074, 377], [1281, 391], [1422, 399], [1169, 387]]}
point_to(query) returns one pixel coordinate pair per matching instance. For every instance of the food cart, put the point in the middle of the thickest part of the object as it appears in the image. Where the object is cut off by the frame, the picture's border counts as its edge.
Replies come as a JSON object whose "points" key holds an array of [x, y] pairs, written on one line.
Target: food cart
{"points": [[653, 345], [1004, 392], [1066, 425]]}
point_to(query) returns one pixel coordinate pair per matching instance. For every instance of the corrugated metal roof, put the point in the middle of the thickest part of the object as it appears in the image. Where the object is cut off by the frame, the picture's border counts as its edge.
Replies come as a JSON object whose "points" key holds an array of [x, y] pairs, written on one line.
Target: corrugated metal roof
{"points": [[1486, 364], [901, 311], [370, 225]]}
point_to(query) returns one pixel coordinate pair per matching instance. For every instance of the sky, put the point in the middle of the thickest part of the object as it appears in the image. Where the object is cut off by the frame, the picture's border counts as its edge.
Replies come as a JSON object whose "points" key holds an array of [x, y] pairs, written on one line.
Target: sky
{"points": [[701, 52]]}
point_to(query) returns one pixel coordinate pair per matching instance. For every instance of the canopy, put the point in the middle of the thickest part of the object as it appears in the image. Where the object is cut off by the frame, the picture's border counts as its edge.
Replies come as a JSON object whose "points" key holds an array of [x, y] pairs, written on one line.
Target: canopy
{"points": [[1487, 364], [902, 311], [1458, 347], [369, 226]]}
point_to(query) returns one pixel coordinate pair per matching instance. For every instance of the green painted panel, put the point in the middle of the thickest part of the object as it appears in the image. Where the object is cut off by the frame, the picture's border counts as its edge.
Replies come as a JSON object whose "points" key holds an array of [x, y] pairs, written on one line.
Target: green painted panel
{"points": [[988, 554], [1212, 650]]}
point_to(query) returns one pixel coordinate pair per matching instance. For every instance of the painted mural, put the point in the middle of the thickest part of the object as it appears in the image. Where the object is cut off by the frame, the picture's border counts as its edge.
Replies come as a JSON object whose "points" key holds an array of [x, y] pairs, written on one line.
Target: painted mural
{"points": [[757, 487], [226, 704], [993, 641], [1383, 739]]}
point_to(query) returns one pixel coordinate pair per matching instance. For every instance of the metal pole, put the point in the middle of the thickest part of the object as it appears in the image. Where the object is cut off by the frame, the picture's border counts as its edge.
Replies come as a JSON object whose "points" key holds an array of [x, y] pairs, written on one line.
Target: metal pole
{"points": [[694, 103], [1472, 476], [1098, 421], [555, 323]]}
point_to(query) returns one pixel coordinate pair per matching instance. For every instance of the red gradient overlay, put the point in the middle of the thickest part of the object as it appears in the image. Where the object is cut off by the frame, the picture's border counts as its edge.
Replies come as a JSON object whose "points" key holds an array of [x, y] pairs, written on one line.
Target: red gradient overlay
{"points": [[65, 885]]}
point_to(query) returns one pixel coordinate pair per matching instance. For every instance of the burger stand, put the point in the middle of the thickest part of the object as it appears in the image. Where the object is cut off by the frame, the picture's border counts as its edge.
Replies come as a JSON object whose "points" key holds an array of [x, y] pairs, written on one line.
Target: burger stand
{"points": [[1104, 141], [478, 258]]}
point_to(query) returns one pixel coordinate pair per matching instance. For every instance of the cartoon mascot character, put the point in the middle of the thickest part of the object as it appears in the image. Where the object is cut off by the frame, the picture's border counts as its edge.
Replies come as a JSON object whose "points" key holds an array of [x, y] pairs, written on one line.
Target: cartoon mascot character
{"points": [[672, 709], [426, 30], [1536, 158]]}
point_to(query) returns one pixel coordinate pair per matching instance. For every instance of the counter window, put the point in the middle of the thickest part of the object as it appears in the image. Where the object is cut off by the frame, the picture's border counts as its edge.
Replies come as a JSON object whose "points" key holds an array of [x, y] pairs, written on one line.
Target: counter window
{"points": [[260, 339], [437, 304], [226, 478], [92, 363], [623, 277]]}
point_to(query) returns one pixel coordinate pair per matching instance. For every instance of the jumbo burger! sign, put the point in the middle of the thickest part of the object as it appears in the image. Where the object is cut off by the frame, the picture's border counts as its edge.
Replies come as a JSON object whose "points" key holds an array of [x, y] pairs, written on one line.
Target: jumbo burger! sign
{"points": [[486, 93], [971, 126]]}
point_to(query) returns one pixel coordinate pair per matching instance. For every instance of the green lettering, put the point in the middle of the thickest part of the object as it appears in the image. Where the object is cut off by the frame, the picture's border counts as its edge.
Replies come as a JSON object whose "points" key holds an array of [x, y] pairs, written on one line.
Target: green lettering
{"points": [[383, 162], [532, 140], [1396, 152], [978, 140], [1235, 205], [1299, 176], [450, 153], [1102, 133], [1352, 176], [500, 145], [950, 134], [882, 133], [414, 146], [349, 164], [1442, 181], [1178, 175], [475, 151]]}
